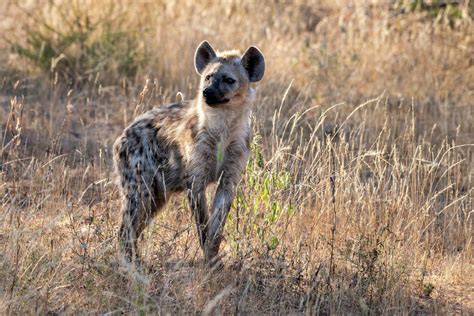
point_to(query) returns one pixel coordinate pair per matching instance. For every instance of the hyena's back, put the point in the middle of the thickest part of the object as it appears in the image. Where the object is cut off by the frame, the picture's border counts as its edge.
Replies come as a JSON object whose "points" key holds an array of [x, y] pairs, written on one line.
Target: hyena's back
{"points": [[149, 164], [148, 147]]}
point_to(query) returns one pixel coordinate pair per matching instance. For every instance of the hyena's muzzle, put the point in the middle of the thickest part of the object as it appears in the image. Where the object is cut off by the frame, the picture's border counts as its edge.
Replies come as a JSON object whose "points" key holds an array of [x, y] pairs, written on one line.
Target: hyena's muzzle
{"points": [[214, 96]]}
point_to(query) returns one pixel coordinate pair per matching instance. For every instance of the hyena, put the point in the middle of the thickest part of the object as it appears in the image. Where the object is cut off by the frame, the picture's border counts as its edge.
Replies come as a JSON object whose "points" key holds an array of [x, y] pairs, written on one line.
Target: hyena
{"points": [[187, 145]]}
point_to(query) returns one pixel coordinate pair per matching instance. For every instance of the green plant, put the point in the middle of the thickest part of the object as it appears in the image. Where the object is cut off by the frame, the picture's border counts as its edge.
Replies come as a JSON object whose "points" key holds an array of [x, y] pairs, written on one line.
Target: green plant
{"points": [[428, 289], [262, 185]]}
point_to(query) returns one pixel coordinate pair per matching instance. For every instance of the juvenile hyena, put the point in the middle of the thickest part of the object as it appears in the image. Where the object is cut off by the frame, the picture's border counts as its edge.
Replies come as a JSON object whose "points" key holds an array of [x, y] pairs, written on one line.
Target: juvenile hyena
{"points": [[187, 145]]}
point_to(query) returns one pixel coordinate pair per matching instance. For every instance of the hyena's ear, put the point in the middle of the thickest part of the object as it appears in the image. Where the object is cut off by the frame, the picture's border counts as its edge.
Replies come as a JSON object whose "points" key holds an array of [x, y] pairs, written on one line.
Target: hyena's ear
{"points": [[254, 62], [204, 54]]}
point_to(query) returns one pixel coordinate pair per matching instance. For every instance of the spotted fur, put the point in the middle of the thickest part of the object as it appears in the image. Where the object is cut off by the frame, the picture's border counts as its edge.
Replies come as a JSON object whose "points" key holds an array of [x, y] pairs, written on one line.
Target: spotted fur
{"points": [[188, 145]]}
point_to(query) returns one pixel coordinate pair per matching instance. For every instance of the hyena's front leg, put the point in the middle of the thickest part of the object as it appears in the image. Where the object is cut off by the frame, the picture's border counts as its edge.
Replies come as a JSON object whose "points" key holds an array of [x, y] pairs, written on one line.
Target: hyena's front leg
{"points": [[220, 209], [198, 175], [196, 188], [234, 162]]}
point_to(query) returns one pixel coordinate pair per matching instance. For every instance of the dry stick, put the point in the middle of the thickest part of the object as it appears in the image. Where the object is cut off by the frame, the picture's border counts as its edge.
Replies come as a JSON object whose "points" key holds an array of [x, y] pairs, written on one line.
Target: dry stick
{"points": [[141, 98], [332, 179], [16, 267]]}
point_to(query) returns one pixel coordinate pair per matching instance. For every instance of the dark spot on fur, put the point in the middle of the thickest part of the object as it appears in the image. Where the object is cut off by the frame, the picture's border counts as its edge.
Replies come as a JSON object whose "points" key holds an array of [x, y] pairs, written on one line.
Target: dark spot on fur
{"points": [[174, 106], [122, 153], [132, 136], [150, 125]]}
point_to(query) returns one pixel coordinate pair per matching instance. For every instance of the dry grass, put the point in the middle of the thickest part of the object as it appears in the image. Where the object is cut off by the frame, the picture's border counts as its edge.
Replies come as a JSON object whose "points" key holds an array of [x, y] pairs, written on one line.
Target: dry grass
{"points": [[358, 196]]}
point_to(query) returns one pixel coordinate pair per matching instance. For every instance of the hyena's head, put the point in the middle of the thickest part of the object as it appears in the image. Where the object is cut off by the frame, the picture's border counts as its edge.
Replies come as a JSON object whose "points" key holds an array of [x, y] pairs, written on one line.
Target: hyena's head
{"points": [[227, 76]]}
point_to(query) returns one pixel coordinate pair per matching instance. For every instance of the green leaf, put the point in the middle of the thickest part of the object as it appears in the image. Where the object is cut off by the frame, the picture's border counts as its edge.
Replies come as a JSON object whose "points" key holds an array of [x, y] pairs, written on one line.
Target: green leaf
{"points": [[273, 243], [220, 152]]}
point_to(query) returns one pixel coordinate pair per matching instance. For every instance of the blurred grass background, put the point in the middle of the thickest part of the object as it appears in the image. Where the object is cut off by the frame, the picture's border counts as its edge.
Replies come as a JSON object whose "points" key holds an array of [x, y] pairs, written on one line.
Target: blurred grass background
{"points": [[358, 194]]}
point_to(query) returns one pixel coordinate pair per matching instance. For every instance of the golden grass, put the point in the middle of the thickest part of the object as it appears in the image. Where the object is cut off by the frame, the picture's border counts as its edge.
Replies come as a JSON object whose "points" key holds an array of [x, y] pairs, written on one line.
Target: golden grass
{"points": [[357, 197]]}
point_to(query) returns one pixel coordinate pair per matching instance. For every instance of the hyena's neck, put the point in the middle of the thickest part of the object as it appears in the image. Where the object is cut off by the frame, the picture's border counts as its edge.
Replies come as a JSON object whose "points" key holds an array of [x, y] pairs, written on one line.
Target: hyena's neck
{"points": [[225, 121]]}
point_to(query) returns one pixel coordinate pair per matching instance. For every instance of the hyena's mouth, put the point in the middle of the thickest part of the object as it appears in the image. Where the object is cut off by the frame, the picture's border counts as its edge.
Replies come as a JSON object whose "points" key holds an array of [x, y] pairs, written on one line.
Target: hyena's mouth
{"points": [[215, 101]]}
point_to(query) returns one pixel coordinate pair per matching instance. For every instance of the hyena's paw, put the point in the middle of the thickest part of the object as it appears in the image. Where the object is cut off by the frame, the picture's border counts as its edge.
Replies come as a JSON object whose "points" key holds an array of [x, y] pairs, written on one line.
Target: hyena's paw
{"points": [[213, 261], [131, 264]]}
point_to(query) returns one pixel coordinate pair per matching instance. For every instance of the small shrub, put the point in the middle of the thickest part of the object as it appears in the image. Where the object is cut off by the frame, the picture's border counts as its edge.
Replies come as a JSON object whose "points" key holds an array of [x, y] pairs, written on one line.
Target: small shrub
{"points": [[448, 11], [84, 46]]}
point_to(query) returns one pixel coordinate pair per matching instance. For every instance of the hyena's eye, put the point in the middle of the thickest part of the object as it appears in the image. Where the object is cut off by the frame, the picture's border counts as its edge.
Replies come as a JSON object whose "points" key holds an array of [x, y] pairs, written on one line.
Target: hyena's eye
{"points": [[229, 80], [208, 77]]}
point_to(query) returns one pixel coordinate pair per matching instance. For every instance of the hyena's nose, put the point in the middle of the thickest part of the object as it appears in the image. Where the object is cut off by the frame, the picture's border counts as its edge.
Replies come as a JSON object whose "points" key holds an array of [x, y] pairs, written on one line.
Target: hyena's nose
{"points": [[213, 96], [208, 92]]}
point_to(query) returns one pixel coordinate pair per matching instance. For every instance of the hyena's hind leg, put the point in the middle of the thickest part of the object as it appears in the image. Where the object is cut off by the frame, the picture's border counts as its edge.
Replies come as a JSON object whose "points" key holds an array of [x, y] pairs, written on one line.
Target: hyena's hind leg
{"points": [[142, 196], [135, 213], [141, 201]]}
